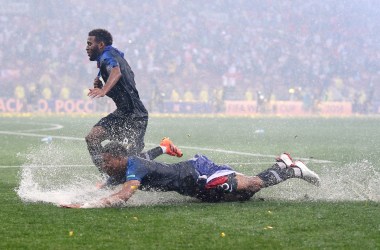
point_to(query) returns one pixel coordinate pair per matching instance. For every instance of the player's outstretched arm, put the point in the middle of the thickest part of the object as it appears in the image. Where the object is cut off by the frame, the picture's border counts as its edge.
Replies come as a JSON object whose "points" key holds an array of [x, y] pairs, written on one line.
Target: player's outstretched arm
{"points": [[118, 198], [129, 188]]}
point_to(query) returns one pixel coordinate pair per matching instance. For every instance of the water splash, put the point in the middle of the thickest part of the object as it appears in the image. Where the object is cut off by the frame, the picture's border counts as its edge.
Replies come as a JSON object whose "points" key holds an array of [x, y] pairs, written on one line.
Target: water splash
{"points": [[44, 178], [347, 182]]}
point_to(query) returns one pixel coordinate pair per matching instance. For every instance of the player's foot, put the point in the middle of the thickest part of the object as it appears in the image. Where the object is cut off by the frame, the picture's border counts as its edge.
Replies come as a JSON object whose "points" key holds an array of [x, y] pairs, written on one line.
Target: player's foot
{"points": [[285, 158], [306, 174], [171, 149]]}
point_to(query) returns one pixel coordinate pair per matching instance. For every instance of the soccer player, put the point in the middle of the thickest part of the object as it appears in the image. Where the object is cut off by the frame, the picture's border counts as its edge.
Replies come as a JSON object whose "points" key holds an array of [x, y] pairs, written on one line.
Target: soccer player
{"points": [[127, 124], [198, 177]]}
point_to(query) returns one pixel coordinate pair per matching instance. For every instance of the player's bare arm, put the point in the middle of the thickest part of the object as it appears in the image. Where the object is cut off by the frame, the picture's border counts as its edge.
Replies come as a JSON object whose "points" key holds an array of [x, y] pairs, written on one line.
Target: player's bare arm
{"points": [[129, 188], [114, 77]]}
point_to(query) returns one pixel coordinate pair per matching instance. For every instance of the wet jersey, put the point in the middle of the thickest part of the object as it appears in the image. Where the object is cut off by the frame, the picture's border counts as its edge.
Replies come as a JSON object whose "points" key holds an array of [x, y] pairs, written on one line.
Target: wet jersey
{"points": [[206, 167], [124, 93], [181, 177]]}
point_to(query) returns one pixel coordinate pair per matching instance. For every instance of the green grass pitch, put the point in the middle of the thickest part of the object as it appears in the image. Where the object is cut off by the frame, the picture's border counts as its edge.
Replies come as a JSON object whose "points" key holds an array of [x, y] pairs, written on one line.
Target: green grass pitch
{"points": [[343, 214]]}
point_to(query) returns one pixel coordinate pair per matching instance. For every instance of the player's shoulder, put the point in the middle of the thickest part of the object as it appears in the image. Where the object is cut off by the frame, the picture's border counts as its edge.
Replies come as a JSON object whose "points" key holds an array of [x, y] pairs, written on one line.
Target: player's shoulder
{"points": [[106, 55], [110, 59], [134, 162], [136, 168]]}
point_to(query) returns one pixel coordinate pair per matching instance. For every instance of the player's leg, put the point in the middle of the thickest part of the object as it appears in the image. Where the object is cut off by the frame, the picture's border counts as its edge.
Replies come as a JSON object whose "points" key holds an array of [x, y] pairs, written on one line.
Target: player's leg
{"points": [[169, 148], [249, 183], [133, 139], [106, 129], [237, 186], [151, 154], [284, 169], [166, 147], [131, 134], [279, 172], [94, 144]]}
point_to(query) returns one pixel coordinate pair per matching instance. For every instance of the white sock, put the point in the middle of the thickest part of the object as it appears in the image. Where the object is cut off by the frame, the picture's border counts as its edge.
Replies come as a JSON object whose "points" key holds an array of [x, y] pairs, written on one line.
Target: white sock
{"points": [[163, 149], [297, 172], [281, 165]]}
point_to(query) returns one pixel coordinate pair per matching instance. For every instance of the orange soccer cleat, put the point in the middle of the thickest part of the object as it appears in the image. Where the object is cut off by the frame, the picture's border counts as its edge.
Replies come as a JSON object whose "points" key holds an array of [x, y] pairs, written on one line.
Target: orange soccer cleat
{"points": [[171, 149]]}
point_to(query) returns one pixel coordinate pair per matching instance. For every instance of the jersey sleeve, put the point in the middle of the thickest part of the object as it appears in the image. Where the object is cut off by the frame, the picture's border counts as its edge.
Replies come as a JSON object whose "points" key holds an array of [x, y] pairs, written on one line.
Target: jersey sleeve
{"points": [[110, 61], [136, 170]]}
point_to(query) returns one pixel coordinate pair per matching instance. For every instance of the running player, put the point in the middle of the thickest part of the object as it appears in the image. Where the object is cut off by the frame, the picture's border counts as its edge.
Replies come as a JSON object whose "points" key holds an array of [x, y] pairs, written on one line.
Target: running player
{"points": [[127, 124], [198, 177]]}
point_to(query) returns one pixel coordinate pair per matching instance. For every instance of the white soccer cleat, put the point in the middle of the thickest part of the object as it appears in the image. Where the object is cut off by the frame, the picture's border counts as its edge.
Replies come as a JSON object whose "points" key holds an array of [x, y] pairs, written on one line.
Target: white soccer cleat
{"points": [[285, 158], [306, 174]]}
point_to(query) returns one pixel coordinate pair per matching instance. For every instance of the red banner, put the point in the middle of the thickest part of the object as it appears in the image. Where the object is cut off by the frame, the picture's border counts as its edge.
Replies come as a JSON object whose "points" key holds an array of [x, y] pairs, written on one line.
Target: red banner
{"points": [[12, 105], [287, 108]]}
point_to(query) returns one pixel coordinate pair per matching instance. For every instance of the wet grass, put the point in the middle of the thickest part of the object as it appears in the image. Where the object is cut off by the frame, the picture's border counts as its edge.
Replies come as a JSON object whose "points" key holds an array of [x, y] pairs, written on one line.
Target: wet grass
{"points": [[259, 223]]}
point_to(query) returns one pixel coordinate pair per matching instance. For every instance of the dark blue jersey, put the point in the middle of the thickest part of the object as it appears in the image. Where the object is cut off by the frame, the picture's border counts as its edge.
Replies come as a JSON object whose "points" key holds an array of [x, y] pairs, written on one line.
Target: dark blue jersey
{"points": [[124, 93], [181, 177], [207, 167]]}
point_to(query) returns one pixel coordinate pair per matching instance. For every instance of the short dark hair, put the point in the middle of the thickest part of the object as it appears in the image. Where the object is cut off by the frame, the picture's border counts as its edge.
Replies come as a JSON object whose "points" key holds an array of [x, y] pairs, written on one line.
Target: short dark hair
{"points": [[115, 149], [101, 35]]}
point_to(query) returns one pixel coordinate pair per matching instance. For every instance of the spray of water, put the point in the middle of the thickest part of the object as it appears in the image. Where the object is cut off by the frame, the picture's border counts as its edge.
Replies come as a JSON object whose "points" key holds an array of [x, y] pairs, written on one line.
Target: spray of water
{"points": [[347, 182], [45, 178], [49, 176]]}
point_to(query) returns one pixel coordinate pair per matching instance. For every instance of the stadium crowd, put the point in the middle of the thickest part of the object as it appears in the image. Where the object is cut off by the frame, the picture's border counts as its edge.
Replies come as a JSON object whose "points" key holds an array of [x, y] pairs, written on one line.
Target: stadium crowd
{"points": [[197, 50]]}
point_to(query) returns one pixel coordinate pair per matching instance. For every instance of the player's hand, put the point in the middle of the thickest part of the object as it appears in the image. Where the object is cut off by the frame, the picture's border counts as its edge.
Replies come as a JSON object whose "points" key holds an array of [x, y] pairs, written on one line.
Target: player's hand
{"points": [[70, 205], [100, 185], [96, 93], [106, 202], [98, 83]]}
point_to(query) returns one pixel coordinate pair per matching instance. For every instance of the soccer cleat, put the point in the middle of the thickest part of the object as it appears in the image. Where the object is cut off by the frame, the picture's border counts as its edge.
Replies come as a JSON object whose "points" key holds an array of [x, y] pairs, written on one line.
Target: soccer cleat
{"points": [[171, 149], [285, 158], [306, 174]]}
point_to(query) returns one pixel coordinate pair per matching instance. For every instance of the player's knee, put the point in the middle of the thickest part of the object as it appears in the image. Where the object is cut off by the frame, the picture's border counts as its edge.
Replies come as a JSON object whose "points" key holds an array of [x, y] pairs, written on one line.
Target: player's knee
{"points": [[255, 184], [249, 183], [89, 138], [96, 135]]}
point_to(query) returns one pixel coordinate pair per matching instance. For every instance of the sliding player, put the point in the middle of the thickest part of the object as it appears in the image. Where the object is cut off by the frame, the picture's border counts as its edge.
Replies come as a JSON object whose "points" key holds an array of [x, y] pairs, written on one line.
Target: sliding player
{"points": [[198, 177]]}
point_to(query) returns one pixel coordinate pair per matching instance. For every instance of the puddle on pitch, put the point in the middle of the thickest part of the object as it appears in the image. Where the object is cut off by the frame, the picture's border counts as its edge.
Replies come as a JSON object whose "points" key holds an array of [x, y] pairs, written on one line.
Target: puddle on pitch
{"points": [[51, 174]]}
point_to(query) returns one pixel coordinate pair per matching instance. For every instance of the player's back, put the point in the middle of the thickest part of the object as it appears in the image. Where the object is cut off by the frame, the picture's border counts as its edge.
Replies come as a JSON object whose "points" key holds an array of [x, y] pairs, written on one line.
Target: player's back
{"points": [[180, 177]]}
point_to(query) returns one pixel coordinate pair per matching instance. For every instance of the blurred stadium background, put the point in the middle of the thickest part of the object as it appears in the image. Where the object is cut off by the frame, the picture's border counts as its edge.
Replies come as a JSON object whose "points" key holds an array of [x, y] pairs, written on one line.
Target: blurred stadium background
{"points": [[230, 57], [285, 58]]}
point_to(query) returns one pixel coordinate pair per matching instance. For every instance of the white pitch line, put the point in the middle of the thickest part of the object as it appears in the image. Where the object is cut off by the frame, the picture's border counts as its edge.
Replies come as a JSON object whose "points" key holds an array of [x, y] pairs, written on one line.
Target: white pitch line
{"points": [[55, 127], [185, 147], [42, 136]]}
